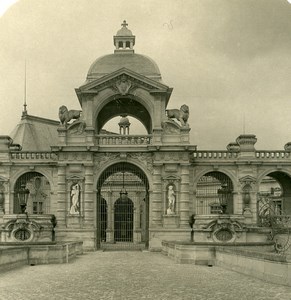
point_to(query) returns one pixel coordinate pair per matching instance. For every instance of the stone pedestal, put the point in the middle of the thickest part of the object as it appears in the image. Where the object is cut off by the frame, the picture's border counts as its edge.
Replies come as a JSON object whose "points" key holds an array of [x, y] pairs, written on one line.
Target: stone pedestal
{"points": [[171, 221], [137, 236], [248, 215], [109, 236], [74, 221]]}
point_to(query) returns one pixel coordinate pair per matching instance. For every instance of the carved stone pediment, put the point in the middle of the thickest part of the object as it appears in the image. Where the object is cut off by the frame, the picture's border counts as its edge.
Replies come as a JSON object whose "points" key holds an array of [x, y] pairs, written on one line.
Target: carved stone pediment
{"points": [[123, 82], [248, 180], [171, 178], [74, 178]]}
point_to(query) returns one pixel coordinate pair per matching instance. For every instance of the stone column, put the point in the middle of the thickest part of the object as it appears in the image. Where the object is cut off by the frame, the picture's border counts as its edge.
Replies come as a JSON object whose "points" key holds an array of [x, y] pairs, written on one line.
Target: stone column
{"points": [[89, 194], [62, 208], [184, 195], [110, 225], [136, 219], [155, 201]]}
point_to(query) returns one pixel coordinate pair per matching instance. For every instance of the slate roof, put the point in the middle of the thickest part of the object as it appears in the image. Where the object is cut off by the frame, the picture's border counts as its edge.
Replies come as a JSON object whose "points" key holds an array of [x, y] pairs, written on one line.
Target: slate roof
{"points": [[35, 133]]}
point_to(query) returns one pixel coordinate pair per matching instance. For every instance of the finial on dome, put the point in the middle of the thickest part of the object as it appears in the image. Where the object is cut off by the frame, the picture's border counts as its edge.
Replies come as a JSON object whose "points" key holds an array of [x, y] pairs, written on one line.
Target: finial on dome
{"points": [[124, 40], [124, 24]]}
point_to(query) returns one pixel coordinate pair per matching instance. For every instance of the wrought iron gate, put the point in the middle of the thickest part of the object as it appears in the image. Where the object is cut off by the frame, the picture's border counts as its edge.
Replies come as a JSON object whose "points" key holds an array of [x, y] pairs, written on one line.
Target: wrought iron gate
{"points": [[122, 208], [270, 214]]}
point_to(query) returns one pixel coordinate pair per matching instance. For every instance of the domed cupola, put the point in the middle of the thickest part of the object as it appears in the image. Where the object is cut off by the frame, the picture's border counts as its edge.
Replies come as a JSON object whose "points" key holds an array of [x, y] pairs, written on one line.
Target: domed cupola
{"points": [[124, 40], [124, 57]]}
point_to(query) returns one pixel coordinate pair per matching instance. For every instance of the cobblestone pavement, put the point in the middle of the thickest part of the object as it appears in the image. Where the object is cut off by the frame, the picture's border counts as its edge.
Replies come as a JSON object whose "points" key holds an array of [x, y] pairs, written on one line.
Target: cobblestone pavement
{"points": [[133, 275]]}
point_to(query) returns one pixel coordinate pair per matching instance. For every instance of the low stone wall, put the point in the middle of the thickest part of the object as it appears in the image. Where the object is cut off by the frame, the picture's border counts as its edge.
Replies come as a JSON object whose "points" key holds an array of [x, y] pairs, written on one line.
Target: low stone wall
{"points": [[34, 254], [254, 259], [12, 257], [271, 267]]}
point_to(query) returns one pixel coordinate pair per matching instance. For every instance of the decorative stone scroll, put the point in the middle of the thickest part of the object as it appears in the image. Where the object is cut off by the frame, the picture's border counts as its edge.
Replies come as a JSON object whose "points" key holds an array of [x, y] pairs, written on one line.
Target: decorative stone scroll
{"points": [[26, 228], [77, 127], [144, 158], [170, 127], [224, 230]]}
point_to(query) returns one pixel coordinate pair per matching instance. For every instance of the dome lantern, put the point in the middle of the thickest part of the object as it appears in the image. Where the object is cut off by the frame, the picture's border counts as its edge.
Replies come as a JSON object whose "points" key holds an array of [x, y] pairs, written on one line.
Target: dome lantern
{"points": [[124, 40], [124, 124]]}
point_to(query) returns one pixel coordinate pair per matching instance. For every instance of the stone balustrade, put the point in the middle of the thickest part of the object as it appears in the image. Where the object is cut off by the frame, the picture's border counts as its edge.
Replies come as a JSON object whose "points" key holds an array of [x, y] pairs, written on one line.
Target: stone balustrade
{"points": [[215, 155], [21, 155], [263, 154], [124, 140], [274, 154]]}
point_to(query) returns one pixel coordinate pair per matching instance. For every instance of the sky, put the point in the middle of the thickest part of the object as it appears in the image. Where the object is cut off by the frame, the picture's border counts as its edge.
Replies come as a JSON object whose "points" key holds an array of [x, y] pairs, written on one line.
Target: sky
{"points": [[228, 60]]}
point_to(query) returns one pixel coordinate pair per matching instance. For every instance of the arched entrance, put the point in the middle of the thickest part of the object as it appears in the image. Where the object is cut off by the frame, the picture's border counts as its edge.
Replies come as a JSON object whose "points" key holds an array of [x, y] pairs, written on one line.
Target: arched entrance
{"points": [[275, 190], [38, 201], [122, 208], [210, 188], [123, 220]]}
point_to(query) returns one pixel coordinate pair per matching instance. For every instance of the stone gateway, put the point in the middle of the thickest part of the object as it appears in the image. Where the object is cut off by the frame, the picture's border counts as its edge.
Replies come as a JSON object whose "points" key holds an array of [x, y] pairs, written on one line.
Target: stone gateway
{"points": [[83, 181]]}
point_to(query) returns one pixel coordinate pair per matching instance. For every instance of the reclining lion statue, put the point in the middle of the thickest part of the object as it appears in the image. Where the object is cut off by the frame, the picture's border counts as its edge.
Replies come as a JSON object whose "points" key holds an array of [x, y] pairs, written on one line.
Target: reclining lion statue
{"points": [[66, 115], [181, 114]]}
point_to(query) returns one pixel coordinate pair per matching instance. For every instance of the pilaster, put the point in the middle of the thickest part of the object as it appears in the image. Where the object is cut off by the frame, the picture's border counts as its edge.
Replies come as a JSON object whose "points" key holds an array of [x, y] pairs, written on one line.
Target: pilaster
{"points": [[89, 194], [156, 197], [61, 205], [184, 195]]}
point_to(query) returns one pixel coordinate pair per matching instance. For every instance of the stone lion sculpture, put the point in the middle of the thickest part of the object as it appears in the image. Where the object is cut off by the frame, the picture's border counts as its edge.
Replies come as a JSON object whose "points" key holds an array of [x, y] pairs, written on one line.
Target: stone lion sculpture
{"points": [[181, 114], [66, 115]]}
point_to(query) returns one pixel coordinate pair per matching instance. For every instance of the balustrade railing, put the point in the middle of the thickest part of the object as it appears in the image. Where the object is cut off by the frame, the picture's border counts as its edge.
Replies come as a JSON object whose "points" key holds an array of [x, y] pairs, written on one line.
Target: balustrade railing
{"points": [[33, 155], [263, 154], [124, 139], [274, 154], [215, 155]]}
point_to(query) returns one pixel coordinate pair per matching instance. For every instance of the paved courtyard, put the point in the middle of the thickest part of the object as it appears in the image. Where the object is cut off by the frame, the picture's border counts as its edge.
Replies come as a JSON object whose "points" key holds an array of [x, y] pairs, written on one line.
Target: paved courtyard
{"points": [[132, 275]]}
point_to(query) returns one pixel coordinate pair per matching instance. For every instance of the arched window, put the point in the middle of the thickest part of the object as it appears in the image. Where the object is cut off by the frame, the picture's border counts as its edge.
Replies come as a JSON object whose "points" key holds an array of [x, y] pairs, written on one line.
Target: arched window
{"points": [[39, 193], [214, 194], [275, 192]]}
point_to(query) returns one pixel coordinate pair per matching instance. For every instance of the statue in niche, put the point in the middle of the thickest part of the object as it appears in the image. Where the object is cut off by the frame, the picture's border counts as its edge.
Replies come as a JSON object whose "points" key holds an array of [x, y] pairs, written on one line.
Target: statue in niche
{"points": [[171, 200], [75, 199], [181, 114]]}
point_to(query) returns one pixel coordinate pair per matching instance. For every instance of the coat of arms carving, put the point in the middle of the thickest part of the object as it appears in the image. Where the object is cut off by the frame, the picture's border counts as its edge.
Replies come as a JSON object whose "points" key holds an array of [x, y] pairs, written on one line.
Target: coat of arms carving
{"points": [[123, 84]]}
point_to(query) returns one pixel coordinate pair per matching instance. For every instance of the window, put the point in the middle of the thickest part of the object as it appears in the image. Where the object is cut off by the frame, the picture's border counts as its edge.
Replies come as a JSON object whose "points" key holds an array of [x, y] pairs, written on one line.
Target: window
{"points": [[37, 208], [215, 208]]}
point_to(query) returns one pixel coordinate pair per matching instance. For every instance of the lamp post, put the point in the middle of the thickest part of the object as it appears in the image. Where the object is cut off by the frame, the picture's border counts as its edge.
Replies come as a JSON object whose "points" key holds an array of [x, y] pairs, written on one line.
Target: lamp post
{"points": [[224, 194], [123, 193], [22, 194]]}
